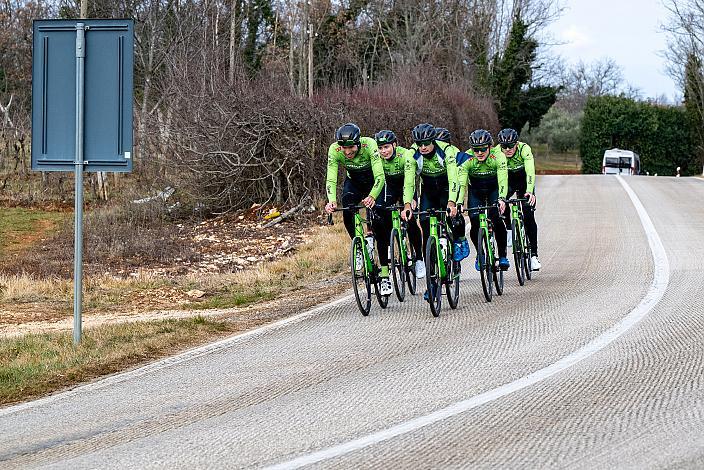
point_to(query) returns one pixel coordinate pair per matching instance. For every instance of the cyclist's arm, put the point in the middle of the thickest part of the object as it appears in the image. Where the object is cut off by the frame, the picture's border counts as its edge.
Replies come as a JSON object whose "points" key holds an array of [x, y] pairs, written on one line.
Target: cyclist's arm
{"points": [[502, 174], [409, 176], [529, 163], [331, 179], [377, 170], [452, 175]]}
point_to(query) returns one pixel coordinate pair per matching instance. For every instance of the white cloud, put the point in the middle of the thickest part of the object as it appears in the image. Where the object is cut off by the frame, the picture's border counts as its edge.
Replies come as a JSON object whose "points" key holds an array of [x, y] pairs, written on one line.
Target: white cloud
{"points": [[574, 37]]}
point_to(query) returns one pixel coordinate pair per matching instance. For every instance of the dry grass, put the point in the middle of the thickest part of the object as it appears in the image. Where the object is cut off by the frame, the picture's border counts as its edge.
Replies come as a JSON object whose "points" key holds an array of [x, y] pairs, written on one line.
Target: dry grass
{"points": [[322, 257], [37, 364]]}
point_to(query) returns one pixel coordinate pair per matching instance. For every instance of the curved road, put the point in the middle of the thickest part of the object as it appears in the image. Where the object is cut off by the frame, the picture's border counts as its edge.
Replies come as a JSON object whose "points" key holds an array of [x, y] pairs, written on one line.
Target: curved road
{"points": [[332, 377]]}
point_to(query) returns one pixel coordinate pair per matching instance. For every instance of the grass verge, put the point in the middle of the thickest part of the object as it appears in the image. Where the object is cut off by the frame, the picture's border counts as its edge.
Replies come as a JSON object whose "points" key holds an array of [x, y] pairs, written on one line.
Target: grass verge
{"points": [[37, 364], [21, 227]]}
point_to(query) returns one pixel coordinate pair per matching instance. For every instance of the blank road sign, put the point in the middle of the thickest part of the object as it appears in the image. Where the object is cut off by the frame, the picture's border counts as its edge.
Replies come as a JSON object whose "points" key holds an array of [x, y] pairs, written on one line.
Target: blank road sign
{"points": [[108, 86]]}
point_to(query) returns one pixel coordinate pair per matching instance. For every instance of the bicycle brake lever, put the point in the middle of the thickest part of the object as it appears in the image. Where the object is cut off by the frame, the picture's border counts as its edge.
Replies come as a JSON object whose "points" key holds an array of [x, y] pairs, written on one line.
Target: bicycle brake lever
{"points": [[330, 219]]}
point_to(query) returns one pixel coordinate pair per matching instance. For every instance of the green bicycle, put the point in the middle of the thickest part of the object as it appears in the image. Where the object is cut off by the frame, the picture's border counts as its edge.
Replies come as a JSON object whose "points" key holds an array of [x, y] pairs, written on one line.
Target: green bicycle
{"points": [[441, 268], [402, 255], [521, 244], [364, 265], [492, 276]]}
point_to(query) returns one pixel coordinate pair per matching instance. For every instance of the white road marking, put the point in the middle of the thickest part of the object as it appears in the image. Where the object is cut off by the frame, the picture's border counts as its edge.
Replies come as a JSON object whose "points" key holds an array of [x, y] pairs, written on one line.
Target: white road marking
{"points": [[174, 360], [661, 278]]}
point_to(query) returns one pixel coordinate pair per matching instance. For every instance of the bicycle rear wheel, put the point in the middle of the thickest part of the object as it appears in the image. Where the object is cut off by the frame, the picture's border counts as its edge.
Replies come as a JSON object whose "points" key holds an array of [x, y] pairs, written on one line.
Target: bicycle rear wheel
{"points": [[432, 276], [360, 279], [518, 256], [398, 269], [485, 265]]}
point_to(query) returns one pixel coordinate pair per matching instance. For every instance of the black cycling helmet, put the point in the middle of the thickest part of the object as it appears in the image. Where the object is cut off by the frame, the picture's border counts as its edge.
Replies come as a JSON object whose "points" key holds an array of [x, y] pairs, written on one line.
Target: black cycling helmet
{"points": [[424, 132], [480, 138], [385, 137], [507, 137], [348, 135], [443, 134]]}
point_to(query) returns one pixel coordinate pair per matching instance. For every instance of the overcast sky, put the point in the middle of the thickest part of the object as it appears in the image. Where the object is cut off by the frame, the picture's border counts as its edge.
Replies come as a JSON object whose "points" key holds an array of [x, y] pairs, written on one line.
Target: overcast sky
{"points": [[628, 31]]}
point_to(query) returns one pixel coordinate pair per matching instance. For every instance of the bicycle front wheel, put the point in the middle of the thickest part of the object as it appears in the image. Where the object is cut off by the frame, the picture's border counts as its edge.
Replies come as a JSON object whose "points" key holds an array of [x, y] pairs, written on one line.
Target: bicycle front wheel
{"points": [[432, 276], [452, 286], [518, 254], [398, 269], [485, 265], [498, 272], [360, 279], [526, 253], [411, 256]]}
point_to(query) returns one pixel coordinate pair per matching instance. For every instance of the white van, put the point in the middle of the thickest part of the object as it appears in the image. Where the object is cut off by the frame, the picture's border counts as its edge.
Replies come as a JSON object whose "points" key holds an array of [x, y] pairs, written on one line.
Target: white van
{"points": [[620, 162]]}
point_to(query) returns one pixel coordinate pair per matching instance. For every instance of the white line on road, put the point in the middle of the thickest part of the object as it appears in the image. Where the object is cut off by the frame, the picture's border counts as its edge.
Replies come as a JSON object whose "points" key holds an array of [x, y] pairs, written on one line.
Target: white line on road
{"points": [[173, 360], [661, 278]]}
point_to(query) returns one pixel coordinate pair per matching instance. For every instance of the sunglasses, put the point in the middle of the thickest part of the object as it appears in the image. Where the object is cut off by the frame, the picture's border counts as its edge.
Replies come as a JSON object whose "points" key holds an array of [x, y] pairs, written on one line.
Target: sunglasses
{"points": [[480, 149], [424, 143], [507, 146], [346, 143]]}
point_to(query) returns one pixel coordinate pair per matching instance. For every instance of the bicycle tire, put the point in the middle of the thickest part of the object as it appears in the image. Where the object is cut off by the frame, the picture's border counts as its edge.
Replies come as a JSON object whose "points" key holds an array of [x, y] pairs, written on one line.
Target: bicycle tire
{"points": [[518, 255], [498, 273], [526, 253], [398, 269], [363, 290], [432, 276], [410, 266], [485, 265], [452, 286]]}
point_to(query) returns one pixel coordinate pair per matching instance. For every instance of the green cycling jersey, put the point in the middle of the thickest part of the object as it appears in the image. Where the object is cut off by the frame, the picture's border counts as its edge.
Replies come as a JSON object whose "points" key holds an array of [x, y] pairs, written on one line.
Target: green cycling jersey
{"points": [[443, 161], [366, 160], [490, 173], [522, 160], [395, 165]]}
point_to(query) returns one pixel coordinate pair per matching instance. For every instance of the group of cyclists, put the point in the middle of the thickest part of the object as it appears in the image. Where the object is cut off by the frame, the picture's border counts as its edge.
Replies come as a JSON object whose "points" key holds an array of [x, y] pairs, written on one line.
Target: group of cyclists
{"points": [[381, 173]]}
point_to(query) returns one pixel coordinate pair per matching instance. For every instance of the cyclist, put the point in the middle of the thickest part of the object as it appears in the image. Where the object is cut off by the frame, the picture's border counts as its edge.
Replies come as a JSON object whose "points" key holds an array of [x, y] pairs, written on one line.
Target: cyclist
{"points": [[436, 164], [364, 182], [443, 135], [521, 180], [393, 157], [484, 169]]}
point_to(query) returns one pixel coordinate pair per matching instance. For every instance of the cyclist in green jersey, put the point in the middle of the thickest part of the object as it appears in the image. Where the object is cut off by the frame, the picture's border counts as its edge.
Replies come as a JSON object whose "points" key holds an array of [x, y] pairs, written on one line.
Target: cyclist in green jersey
{"points": [[484, 169], [364, 183], [436, 163], [521, 180], [444, 135], [393, 157]]}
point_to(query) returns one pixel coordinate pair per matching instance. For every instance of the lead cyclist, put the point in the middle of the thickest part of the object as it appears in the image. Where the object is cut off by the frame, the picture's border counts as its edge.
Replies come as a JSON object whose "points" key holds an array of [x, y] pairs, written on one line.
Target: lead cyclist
{"points": [[521, 180]]}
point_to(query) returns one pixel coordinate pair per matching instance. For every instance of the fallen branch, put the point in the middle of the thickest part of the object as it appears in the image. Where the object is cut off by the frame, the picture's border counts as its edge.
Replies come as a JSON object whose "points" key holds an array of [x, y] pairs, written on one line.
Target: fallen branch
{"points": [[287, 214]]}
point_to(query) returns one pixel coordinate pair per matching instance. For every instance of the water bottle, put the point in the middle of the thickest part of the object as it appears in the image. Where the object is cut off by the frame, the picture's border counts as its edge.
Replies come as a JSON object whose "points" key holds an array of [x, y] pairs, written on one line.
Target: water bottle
{"points": [[370, 245], [443, 246]]}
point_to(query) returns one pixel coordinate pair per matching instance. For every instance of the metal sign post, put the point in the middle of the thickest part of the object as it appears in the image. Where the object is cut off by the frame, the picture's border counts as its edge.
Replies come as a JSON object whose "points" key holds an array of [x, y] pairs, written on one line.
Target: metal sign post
{"points": [[78, 224], [82, 105]]}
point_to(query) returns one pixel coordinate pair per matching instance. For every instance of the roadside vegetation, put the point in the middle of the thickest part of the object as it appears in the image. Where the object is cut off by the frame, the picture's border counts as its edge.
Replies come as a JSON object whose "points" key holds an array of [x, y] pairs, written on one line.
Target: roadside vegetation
{"points": [[37, 364]]}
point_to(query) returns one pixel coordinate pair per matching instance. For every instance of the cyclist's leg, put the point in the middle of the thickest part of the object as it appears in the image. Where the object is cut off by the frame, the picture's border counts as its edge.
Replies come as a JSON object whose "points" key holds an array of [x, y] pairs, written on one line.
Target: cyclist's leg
{"points": [[531, 227], [499, 227], [415, 236], [381, 227], [473, 201], [351, 196]]}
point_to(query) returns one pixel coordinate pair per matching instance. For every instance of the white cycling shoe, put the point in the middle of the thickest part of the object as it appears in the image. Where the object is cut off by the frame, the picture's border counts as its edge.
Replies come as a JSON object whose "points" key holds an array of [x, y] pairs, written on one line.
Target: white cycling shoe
{"points": [[535, 263], [420, 269], [385, 286]]}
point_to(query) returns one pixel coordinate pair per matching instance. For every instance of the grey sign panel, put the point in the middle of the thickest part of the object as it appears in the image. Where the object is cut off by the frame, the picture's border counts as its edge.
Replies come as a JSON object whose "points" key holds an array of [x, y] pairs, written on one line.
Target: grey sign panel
{"points": [[108, 88]]}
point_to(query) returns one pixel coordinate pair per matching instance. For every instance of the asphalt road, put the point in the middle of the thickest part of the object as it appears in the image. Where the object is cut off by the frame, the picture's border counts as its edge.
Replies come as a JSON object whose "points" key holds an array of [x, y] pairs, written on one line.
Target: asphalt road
{"points": [[574, 370]]}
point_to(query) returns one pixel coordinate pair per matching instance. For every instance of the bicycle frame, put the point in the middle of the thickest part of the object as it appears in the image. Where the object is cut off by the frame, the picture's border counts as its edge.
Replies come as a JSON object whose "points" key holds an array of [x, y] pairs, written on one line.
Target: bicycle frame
{"points": [[484, 225]]}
